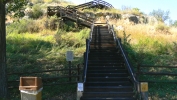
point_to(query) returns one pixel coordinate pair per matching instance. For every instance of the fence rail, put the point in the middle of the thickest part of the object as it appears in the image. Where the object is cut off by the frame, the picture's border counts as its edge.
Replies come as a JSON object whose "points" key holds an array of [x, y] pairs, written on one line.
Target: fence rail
{"points": [[152, 73], [74, 73]]}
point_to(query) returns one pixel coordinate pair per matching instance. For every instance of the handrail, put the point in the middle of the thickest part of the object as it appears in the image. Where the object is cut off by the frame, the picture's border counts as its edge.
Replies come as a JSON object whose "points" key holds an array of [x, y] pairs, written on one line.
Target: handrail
{"points": [[129, 67], [97, 2], [72, 14], [128, 63], [105, 3], [56, 8], [87, 52]]}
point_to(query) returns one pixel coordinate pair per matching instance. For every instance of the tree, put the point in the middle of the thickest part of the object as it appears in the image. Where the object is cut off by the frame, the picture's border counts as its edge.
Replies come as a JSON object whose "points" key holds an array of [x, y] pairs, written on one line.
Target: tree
{"points": [[13, 5], [16, 6], [175, 23], [160, 15], [3, 76]]}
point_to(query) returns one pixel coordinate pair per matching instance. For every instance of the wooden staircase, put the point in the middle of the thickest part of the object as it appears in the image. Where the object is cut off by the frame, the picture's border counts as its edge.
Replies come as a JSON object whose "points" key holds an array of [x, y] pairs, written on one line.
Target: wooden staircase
{"points": [[70, 14], [107, 77]]}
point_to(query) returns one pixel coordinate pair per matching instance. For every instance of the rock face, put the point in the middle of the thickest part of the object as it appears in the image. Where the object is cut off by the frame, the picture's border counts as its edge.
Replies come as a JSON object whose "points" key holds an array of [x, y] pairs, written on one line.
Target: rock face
{"points": [[151, 20], [133, 18], [130, 18]]}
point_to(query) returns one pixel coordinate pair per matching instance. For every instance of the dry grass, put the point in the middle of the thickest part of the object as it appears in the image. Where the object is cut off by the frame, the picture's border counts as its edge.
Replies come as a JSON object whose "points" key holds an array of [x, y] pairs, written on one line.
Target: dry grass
{"points": [[143, 31]]}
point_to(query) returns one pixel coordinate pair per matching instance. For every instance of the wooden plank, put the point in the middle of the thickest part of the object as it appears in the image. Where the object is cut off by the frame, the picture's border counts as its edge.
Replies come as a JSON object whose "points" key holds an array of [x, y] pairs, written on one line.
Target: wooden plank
{"points": [[154, 81], [154, 73], [50, 78], [42, 71], [12, 87], [158, 66]]}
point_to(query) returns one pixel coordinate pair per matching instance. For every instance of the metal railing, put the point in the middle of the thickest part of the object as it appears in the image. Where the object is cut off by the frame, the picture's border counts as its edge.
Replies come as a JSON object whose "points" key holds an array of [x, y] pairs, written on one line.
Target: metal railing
{"points": [[128, 65], [104, 3], [87, 53], [92, 3]]}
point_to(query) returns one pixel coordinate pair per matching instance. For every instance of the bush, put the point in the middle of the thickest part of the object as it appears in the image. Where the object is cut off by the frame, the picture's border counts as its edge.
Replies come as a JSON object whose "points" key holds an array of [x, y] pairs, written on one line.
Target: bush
{"points": [[36, 12], [25, 25], [162, 28], [51, 23], [65, 39], [22, 26], [136, 11]]}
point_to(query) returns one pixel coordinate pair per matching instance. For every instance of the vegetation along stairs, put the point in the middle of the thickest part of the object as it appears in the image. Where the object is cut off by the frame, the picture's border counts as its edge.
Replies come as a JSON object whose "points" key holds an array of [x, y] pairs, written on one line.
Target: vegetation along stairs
{"points": [[107, 78]]}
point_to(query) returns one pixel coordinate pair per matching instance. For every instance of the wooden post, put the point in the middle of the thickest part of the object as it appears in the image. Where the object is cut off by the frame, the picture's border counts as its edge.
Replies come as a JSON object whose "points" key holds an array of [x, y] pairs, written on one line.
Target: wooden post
{"points": [[144, 90], [69, 71], [84, 65], [77, 24], [69, 58], [78, 72]]}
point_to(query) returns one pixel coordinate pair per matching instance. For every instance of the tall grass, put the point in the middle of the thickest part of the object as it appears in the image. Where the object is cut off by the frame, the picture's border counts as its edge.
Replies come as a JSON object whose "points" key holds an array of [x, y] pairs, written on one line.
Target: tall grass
{"points": [[147, 39], [150, 46]]}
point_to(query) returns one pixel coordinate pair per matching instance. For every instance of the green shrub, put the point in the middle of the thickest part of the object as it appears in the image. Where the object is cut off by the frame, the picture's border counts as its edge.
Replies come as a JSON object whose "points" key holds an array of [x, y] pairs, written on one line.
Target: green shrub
{"points": [[36, 12], [37, 1], [162, 28], [32, 26], [77, 39], [51, 23], [136, 11], [25, 25]]}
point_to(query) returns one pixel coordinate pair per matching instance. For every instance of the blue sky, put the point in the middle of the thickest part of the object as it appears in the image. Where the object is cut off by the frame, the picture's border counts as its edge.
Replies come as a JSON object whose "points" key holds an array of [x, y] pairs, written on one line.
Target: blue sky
{"points": [[145, 6]]}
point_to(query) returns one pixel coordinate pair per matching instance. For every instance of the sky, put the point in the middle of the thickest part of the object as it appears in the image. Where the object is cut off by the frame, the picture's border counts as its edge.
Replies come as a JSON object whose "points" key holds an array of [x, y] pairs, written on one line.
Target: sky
{"points": [[145, 6]]}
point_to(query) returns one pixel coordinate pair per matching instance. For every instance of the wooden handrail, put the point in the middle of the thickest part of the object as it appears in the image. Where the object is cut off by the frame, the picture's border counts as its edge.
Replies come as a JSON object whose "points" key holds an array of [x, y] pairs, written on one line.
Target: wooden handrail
{"points": [[41, 71], [158, 66], [97, 2], [50, 78], [71, 14], [157, 73]]}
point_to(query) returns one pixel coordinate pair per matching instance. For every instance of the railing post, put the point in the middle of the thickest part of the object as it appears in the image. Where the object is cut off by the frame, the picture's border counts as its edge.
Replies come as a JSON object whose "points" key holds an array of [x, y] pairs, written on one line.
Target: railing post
{"points": [[69, 71], [138, 70], [78, 72], [144, 90], [84, 65], [80, 89], [60, 12], [69, 58]]}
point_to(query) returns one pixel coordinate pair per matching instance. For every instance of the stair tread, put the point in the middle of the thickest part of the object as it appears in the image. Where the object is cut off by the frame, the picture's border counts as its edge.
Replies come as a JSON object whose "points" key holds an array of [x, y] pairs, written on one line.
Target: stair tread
{"points": [[109, 87], [108, 70], [109, 82], [109, 98], [108, 77], [108, 92], [110, 73]]}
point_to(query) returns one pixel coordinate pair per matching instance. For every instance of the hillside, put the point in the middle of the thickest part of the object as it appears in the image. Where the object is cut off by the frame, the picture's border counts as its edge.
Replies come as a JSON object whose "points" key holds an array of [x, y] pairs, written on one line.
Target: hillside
{"points": [[38, 43]]}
